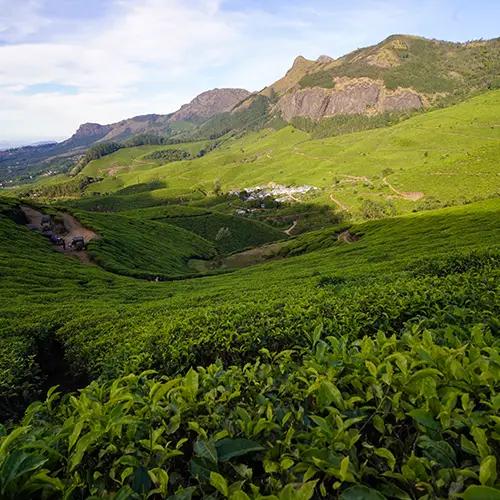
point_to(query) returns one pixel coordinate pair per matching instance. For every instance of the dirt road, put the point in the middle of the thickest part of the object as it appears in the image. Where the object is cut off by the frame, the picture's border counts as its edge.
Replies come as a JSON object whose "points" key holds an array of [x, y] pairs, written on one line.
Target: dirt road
{"points": [[69, 229], [292, 227], [410, 195], [339, 204]]}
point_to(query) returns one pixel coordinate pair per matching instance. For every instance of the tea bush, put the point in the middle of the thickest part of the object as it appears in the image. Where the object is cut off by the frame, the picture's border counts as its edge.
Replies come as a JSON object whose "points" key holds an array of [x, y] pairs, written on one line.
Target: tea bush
{"points": [[376, 417]]}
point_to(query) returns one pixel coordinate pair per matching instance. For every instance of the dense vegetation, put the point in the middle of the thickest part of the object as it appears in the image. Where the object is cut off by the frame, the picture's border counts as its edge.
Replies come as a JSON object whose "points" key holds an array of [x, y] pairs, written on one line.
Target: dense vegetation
{"points": [[345, 124], [358, 360], [322, 79], [349, 390], [427, 66], [168, 155], [250, 117], [228, 233], [142, 248]]}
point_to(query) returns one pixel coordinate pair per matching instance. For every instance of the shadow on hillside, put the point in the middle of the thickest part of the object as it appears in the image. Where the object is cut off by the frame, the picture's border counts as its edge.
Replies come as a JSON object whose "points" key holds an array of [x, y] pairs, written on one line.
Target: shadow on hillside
{"points": [[142, 187]]}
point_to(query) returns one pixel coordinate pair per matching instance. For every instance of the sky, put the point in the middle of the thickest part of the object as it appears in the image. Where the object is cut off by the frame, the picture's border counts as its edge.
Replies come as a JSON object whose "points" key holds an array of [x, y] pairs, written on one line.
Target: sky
{"points": [[66, 62]]}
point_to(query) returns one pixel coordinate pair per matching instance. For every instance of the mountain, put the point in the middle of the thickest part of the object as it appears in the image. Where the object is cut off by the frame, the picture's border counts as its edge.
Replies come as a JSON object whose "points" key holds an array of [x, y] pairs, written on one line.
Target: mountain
{"points": [[402, 73], [31, 160], [264, 313], [366, 88], [210, 103], [201, 108]]}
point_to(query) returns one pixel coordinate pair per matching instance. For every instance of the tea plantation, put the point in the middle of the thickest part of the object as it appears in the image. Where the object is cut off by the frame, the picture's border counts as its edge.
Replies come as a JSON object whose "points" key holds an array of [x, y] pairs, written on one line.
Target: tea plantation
{"points": [[355, 357], [362, 370]]}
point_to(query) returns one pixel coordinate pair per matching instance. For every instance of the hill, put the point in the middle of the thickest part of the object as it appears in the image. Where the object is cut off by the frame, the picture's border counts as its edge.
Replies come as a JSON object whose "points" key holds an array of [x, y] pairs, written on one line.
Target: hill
{"points": [[374, 358], [54, 157], [401, 73], [439, 158], [368, 87], [283, 300]]}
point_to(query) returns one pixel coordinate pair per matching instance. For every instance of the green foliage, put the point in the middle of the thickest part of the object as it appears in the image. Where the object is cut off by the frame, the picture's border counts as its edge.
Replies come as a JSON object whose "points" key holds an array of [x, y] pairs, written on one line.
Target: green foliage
{"points": [[141, 248], [368, 417], [228, 233], [345, 124], [345, 369], [322, 79], [250, 118], [168, 155], [375, 210], [428, 66], [100, 150], [145, 139], [68, 189]]}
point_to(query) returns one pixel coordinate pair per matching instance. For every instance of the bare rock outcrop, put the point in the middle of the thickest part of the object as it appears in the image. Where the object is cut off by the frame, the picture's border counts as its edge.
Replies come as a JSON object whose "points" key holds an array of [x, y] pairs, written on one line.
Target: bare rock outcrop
{"points": [[210, 103], [348, 97], [91, 130], [323, 59]]}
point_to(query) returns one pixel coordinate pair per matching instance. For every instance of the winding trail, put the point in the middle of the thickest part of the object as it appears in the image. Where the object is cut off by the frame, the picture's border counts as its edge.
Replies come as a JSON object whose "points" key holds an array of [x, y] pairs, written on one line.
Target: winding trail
{"points": [[339, 204], [409, 195], [69, 229], [292, 227]]}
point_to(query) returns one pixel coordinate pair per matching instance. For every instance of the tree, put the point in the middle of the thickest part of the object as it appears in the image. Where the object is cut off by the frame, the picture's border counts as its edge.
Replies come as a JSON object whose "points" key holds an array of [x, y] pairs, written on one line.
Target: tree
{"points": [[217, 187]]}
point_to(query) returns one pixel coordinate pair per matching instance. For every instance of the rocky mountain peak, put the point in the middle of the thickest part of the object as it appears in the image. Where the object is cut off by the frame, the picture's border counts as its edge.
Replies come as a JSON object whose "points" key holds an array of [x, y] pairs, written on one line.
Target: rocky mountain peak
{"points": [[210, 103], [90, 129], [323, 59]]}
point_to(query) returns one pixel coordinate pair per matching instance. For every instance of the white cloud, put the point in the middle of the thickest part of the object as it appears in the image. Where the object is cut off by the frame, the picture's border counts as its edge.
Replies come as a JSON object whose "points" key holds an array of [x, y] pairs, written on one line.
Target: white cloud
{"points": [[144, 56], [19, 19], [143, 44]]}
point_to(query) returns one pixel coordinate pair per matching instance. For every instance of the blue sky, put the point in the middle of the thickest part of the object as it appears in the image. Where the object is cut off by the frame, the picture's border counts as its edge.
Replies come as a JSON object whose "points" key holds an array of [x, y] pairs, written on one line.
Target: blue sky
{"points": [[64, 62]]}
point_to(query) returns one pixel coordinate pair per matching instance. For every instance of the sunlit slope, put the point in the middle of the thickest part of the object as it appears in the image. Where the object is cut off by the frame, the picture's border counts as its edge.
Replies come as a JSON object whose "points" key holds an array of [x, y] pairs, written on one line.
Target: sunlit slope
{"points": [[104, 320], [415, 293], [135, 159], [442, 157]]}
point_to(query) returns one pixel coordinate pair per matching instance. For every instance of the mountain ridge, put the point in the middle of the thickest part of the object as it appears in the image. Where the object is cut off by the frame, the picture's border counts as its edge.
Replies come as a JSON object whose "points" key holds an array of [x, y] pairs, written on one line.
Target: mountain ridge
{"points": [[400, 75], [199, 109]]}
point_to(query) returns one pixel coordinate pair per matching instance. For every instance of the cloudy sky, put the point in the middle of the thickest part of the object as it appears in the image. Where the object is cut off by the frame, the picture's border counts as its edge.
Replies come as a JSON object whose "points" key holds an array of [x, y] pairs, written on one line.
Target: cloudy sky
{"points": [[65, 62]]}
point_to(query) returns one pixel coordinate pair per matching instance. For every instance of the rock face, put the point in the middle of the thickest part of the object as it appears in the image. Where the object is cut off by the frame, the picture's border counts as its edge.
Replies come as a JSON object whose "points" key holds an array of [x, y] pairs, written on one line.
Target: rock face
{"points": [[350, 96], [202, 107], [324, 59], [210, 103], [91, 130], [89, 133]]}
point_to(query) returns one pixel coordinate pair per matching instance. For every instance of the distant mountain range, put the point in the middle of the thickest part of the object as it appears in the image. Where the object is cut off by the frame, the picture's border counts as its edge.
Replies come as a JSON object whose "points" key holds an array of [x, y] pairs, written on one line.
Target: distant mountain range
{"points": [[401, 74], [28, 160], [4, 145]]}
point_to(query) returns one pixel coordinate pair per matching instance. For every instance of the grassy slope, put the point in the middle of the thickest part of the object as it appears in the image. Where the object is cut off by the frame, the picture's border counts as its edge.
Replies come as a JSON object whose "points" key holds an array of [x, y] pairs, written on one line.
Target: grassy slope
{"points": [[128, 157], [376, 297], [44, 292], [449, 155], [229, 233], [143, 248]]}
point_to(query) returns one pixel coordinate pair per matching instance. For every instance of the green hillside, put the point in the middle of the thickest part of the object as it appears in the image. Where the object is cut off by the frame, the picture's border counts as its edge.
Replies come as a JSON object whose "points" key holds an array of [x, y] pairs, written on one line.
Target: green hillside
{"points": [[143, 248], [429, 66], [440, 158], [353, 339], [228, 233], [275, 317]]}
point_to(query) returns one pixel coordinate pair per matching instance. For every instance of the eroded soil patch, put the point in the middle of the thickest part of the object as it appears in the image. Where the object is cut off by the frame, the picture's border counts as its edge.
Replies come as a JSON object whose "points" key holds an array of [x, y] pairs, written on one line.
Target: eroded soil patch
{"points": [[66, 227]]}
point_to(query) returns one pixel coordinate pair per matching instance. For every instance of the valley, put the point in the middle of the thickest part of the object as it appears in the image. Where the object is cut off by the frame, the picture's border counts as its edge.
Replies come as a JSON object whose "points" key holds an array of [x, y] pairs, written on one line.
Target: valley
{"points": [[277, 295]]}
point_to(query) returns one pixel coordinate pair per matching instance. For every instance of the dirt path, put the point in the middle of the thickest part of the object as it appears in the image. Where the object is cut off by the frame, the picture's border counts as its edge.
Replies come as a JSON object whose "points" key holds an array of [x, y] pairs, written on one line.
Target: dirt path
{"points": [[292, 227], [69, 229], [409, 195], [353, 179], [347, 237], [339, 204]]}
